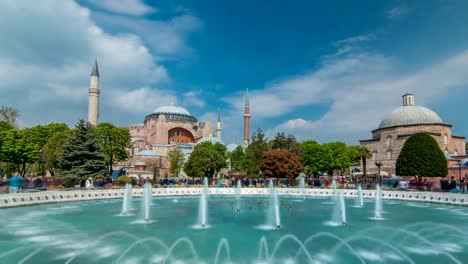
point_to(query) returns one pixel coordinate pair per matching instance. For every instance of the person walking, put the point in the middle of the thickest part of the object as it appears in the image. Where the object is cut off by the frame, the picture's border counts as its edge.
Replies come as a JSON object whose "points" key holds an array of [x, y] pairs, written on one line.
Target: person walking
{"points": [[14, 184]]}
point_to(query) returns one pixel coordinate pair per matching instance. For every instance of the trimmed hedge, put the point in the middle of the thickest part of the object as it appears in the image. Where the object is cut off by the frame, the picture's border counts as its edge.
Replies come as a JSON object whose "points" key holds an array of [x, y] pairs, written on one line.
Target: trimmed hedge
{"points": [[421, 156]]}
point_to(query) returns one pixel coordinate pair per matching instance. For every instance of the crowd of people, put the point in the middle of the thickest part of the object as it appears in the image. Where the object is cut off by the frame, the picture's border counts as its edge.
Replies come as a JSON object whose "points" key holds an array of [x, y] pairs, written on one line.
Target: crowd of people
{"points": [[18, 183]]}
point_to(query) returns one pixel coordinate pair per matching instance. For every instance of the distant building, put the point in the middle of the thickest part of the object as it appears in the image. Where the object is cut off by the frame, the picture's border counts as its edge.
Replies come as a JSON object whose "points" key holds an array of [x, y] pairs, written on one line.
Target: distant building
{"points": [[388, 139]]}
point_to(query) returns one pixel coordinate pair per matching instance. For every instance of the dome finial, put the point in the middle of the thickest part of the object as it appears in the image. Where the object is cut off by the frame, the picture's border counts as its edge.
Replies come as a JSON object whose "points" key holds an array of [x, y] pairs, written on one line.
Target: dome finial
{"points": [[172, 102], [408, 99]]}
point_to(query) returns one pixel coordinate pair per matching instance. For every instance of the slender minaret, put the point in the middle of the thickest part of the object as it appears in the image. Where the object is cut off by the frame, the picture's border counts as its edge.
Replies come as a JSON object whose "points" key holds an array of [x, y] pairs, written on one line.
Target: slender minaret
{"points": [[218, 126], [93, 107], [246, 120]]}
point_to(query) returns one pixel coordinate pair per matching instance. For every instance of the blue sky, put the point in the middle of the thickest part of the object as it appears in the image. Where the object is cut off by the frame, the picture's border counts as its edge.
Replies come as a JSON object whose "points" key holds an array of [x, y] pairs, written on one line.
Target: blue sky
{"points": [[324, 70]]}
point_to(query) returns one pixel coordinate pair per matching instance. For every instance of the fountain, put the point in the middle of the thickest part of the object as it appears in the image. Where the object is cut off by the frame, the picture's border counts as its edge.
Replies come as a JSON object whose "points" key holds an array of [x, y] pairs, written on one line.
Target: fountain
{"points": [[339, 211], [238, 195], [360, 198], [203, 204], [378, 203], [147, 197], [127, 199], [274, 207], [302, 185]]}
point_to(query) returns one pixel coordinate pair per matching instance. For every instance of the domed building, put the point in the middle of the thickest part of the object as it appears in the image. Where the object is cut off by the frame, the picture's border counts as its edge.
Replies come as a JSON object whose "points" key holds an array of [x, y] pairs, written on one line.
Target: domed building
{"points": [[167, 127], [388, 139]]}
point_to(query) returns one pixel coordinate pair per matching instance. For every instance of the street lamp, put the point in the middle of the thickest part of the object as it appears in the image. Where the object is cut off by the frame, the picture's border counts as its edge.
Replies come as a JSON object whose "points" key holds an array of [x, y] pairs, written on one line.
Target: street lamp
{"points": [[379, 164], [460, 163]]}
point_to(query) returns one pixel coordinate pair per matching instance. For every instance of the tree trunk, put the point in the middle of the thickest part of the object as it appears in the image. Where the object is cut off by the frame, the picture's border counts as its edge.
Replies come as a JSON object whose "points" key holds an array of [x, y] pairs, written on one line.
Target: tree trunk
{"points": [[364, 167]]}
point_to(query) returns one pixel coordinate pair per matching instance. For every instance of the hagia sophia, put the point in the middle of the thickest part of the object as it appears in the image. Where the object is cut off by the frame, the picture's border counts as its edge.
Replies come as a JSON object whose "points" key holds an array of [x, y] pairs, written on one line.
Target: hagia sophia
{"points": [[171, 126], [166, 128]]}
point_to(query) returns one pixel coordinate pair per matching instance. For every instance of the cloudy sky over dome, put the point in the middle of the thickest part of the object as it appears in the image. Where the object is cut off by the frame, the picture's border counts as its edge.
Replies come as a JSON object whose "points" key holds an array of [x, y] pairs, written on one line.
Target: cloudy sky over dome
{"points": [[327, 70]]}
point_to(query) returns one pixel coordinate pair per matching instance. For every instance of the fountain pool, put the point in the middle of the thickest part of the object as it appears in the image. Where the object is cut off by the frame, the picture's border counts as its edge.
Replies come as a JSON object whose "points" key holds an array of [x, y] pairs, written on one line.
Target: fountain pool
{"points": [[95, 231]]}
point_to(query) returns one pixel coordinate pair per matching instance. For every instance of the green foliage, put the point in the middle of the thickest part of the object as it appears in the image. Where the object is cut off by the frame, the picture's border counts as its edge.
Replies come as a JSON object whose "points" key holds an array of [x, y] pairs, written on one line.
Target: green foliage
{"points": [[53, 150], [281, 163], [82, 157], [176, 161], [124, 179], [22, 147], [254, 153], [289, 142], [421, 156], [205, 160], [4, 126], [112, 141], [328, 157], [237, 159]]}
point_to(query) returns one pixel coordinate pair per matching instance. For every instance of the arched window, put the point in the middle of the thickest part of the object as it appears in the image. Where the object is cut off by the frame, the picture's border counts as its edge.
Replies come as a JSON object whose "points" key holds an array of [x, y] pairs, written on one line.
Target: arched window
{"points": [[446, 151], [445, 139], [389, 154], [455, 152], [389, 141], [374, 156]]}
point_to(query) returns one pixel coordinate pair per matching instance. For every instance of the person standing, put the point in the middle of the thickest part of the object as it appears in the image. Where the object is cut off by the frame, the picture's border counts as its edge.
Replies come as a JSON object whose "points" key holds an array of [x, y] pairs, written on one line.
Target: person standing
{"points": [[14, 184]]}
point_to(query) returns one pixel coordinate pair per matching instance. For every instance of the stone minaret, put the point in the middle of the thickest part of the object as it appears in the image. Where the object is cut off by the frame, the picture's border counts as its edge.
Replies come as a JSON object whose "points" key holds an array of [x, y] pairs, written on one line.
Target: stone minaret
{"points": [[93, 106], [218, 126], [408, 99], [246, 120]]}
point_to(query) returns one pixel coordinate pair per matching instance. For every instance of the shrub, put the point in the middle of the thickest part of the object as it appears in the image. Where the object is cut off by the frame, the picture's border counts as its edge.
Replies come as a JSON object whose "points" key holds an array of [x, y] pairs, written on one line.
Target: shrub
{"points": [[123, 180], [421, 156]]}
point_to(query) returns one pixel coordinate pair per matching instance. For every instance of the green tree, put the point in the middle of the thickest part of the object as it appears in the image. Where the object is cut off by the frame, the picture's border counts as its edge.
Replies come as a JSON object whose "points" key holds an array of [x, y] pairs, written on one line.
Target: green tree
{"points": [[280, 163], [205, 160], [113, 142], [311, 158], [82, 157], [421, 156], [289, 142], [254, 153], [8, 114], [237, 159], [4, 126], [176, 161], [23, 147], [336, 157], [53, 150]]}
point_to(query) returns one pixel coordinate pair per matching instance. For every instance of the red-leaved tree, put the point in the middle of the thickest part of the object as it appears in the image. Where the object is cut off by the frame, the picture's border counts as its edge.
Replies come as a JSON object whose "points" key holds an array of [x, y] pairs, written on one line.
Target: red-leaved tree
{"points": [[280, 163]]}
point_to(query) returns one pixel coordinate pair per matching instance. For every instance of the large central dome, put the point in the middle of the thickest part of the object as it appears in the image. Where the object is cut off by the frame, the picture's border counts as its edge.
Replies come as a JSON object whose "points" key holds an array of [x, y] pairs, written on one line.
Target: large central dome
{"points": [[410, 115], [172, 112], [172, 109]]}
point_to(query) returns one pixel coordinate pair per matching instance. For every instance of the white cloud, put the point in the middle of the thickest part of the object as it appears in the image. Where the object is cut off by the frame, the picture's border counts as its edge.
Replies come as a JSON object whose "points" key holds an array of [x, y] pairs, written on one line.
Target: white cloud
{"points": [[46, 62], [358, 100], [167, 39], [193, 98], [397, 12], [127, 7]]}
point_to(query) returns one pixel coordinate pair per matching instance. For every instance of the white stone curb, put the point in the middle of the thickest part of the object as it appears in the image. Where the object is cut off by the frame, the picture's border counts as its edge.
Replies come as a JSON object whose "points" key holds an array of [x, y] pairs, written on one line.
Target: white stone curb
{"points": [[22, 199]]}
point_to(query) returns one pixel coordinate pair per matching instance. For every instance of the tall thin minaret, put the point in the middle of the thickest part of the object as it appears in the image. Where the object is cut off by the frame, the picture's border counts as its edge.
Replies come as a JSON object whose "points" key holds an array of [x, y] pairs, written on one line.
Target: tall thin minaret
{"points": [[93, 106], [218, 126], [246, 120]]}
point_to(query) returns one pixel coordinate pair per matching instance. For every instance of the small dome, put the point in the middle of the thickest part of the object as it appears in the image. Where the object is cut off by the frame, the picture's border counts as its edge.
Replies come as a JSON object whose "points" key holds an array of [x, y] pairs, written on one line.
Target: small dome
{"points": [[140, 163], [171, 109], [231, 147], [213, 140], [410, 115], [148, 153]]}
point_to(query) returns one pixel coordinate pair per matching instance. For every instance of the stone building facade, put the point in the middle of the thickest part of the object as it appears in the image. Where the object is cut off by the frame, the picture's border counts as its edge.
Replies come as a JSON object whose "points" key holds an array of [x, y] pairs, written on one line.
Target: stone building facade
{"points": [[388, 139]]}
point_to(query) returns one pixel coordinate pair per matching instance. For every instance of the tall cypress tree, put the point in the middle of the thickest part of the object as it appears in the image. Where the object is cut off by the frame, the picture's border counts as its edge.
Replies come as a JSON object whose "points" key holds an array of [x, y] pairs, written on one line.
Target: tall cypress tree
{"points": [[82, 156]]}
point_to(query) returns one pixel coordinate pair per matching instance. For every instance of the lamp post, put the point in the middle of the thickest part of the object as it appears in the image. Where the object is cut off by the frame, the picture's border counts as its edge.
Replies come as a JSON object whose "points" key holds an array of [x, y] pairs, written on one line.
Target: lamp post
{"points": [[460, 163], [379, 164]]}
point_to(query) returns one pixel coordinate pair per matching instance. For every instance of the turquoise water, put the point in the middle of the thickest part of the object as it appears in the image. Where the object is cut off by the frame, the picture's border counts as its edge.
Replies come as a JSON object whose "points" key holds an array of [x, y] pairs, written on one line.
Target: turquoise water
{"points": [[94, 232]]}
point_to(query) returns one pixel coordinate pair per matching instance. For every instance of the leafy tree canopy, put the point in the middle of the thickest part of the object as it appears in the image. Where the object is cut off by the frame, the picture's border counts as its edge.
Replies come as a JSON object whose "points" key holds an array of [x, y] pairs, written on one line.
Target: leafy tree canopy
{"points": [[113, 142], [254, 153], [8, 114], [289, 142], [281, 163], [53, 150], [176, 160], [206, 159], [421, 156], [237, 159]]}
